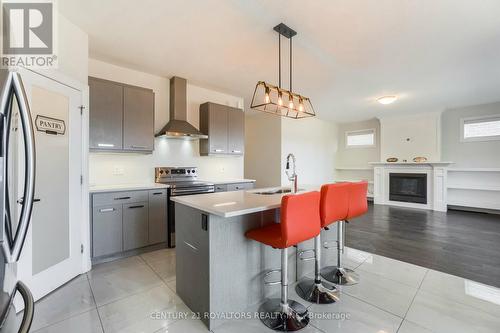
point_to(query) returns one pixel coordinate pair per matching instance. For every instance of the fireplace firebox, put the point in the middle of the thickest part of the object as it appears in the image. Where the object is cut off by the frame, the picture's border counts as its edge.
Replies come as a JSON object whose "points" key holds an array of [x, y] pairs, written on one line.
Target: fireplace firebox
{"points": [[408, 187]]}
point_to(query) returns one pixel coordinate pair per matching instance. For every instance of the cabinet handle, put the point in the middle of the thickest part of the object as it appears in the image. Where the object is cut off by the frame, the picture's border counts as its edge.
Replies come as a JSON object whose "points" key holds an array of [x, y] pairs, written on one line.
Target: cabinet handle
{"points": [[106, 210], [157, 193], [237, 151], [138, 206], [122, 198], [109, 145], [139, 147], [218, 150]]}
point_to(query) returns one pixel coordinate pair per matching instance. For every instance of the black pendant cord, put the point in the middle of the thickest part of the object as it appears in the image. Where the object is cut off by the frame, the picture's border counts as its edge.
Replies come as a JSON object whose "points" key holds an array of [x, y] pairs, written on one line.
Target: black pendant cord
{"points": [[279, 60], [291, 64]]}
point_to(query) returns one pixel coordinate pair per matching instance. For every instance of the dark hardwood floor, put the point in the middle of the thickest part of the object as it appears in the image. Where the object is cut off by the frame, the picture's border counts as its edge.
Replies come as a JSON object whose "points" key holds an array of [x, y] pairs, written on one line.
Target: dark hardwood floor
{"points": [[465, 244]]}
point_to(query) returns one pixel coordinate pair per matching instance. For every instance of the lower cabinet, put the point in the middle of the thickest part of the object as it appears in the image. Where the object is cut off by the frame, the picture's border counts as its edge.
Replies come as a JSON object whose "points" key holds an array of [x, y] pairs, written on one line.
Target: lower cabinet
{"points": [[123, 221], [234, 187], [107, 230], [135, 225], [157, 216]]}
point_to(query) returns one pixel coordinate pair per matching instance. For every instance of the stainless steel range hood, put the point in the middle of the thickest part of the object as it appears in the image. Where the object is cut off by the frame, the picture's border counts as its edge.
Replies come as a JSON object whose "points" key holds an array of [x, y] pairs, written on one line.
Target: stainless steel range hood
{"points": [[178, 126]]}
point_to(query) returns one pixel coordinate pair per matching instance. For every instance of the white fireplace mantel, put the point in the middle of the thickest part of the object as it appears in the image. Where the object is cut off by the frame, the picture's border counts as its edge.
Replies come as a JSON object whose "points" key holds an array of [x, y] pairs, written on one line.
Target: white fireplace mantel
{"points": [[431, 163], [436, 172]]}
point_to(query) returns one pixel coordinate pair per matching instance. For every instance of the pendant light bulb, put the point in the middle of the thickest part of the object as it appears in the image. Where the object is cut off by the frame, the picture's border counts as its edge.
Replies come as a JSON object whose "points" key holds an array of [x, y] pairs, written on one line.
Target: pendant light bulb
{"points": [[280, 98], [267, 98], [290, 103], [301, 104]]}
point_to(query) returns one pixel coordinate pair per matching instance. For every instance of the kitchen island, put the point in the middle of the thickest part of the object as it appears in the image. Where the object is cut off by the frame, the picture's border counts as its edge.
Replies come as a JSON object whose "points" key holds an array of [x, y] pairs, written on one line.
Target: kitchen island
{"points": [[220, 272]]}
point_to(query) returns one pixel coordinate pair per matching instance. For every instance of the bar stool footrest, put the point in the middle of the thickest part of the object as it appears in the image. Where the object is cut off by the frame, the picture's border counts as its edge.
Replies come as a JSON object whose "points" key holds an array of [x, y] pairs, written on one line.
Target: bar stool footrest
{"points": [[271, 283]]}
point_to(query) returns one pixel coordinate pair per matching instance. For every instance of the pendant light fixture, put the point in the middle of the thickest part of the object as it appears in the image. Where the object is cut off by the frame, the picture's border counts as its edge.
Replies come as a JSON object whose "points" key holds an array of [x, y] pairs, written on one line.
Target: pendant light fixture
{"points": [[276, 100]]}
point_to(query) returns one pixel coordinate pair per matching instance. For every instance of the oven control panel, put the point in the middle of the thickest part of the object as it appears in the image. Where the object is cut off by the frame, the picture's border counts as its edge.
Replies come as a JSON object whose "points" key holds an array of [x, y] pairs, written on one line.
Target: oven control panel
{"points": [[165, 174]]}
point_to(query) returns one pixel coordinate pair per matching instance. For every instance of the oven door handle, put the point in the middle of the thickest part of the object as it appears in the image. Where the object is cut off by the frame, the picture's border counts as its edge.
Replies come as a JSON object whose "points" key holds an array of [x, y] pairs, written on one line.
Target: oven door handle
{"points": [[192, 191]]}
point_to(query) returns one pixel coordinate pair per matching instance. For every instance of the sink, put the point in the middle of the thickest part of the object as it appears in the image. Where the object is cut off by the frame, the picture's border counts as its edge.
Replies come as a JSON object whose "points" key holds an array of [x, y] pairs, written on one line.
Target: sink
{"points": [[276, 191]]}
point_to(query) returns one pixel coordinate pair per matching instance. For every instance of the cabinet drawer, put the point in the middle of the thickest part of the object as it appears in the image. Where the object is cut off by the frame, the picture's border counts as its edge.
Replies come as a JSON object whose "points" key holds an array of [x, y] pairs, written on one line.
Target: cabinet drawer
{"points": [[221, 188], [135, 225], [119, 197], [106, 230], [239, 186]]}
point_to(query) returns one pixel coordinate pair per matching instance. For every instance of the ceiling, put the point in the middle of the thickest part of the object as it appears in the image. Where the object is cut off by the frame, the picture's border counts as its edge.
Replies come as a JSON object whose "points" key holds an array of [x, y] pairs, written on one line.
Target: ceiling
{"points": [[433, 54]]}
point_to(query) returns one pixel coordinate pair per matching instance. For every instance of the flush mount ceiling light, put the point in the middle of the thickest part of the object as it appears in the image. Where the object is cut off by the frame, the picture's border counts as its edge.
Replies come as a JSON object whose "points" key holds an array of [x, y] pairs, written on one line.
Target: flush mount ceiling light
{"points": [[276, 100], [387, 99]]}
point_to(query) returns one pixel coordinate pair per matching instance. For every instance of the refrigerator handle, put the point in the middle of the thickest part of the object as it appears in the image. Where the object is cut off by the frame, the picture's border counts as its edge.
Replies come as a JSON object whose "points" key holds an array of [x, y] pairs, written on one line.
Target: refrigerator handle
{"points": [[29, 307], [14, 85]]}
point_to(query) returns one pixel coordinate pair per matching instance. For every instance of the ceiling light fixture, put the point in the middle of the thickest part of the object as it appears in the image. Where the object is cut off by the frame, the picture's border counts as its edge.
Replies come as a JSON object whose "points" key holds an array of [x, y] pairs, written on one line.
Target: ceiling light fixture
{"points": [[387, 99], [276, 100]]}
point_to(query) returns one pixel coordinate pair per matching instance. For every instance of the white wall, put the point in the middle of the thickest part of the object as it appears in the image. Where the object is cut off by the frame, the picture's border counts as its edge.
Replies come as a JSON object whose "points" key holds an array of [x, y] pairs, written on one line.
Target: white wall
{"points": [[469, 154], [263, 149], [357, 157], [269, 139], [72, 52], [406, 137], [138, 168], [314, 143]]}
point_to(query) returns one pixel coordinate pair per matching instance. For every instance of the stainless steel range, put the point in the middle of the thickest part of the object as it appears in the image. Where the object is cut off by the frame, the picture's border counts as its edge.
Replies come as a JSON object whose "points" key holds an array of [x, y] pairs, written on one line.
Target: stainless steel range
{"points": [[181, 181]]}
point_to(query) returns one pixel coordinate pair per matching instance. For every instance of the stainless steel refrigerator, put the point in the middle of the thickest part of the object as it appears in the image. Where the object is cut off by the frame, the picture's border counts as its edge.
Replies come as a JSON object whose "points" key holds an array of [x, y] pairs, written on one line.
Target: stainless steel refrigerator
{"points": [[15, 212]]}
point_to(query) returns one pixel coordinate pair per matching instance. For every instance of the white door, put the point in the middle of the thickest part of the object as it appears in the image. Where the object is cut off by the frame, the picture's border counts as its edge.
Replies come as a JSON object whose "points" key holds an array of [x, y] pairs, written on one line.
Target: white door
{"points": [[52, 252]]}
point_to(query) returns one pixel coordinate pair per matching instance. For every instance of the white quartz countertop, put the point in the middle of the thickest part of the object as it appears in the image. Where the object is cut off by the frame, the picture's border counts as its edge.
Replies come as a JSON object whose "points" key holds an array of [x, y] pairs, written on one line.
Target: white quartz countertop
{"points": [[236, 203], [152, 186], [125, 187]]}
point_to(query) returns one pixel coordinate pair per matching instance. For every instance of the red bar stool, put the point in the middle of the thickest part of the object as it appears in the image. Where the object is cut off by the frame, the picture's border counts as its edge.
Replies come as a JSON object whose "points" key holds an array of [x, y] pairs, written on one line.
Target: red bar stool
{"points": [[299, 222], [318, 291], [357, 205]]}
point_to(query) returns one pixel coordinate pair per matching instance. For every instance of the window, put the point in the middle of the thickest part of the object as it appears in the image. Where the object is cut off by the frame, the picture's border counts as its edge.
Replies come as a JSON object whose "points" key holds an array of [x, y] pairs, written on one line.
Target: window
{"points": [[360, 139], [480, 128]]}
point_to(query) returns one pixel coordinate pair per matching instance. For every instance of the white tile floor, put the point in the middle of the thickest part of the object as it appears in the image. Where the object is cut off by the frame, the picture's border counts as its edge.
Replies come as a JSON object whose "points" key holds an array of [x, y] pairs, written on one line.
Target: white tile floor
{"points": [[392, 296]]}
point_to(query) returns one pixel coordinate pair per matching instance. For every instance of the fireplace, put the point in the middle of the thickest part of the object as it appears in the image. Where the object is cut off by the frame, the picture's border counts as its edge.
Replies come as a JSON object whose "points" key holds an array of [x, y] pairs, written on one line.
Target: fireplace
{"points": [[408, 187]]}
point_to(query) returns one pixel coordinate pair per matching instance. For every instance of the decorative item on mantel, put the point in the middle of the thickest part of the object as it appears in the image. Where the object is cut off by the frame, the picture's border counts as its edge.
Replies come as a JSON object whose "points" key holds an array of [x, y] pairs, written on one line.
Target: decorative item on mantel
{"points": [[271, 99], [420, 159], [392, 159]]}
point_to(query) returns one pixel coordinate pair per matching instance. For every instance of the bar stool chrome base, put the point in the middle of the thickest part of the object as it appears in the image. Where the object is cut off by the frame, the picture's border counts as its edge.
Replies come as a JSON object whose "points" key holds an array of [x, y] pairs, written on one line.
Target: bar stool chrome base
{"points": [[291, 317], [340, 275], [319, 293]]}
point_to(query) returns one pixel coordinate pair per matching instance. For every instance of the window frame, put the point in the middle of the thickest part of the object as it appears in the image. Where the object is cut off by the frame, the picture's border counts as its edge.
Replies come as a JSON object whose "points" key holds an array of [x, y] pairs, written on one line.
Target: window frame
{"points": [[465, 120], [362, 131]]}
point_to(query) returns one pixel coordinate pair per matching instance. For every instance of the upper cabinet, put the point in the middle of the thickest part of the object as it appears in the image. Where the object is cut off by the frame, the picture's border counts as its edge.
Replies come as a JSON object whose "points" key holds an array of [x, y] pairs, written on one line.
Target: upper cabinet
{"points": [[138, 119], [225, 127], [121, 117], [106, 115]]}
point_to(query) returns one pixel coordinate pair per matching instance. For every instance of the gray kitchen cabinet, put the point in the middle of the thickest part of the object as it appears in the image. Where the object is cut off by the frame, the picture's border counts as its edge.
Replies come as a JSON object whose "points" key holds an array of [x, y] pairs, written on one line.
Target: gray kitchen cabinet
{"points": [[128, 220], [193, 282], [239, 186], [215, 121], [106, 115], [157, 229], [138, 119], [236, 132], [234, 186], [135, 225], [121, 117], [106, 230], [220, 187]]}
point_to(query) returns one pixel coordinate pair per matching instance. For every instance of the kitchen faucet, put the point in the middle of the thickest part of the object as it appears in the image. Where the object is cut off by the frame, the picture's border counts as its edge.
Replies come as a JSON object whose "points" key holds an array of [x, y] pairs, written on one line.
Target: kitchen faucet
{"points": [[291, 177]]}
